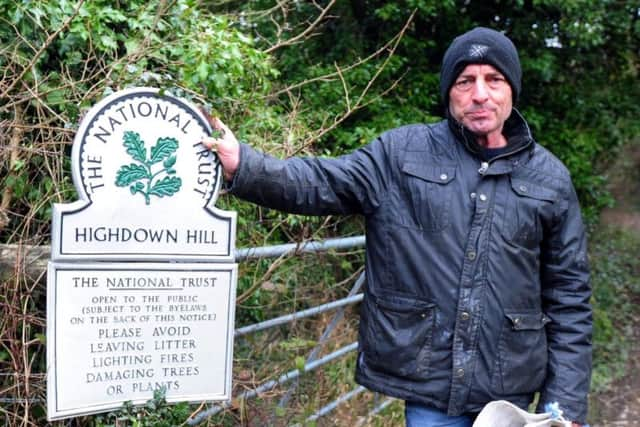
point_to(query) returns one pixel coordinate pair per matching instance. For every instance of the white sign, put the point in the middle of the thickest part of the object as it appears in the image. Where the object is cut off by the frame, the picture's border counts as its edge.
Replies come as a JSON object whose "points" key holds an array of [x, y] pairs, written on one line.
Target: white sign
{"points": [[141, 286], [147, 185], [120, 331]]}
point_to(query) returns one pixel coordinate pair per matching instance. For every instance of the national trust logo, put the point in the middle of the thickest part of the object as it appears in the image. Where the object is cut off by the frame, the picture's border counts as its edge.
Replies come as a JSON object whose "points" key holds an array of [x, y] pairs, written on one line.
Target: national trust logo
{"points": [[142, 148], [141, 176]]}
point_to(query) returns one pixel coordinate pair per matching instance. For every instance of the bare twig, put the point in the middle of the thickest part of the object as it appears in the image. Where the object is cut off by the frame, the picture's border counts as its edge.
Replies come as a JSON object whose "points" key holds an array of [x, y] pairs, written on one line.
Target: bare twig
{"points": [[162, 8], [358, 106], [345, 87], [257, 283], [331, 76], [305, 33], [360, 103], [13, 149]]}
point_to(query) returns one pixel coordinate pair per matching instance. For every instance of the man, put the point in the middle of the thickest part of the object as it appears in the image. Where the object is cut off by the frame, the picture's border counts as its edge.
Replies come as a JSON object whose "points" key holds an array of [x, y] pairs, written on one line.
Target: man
{"points": [[477, 277]]}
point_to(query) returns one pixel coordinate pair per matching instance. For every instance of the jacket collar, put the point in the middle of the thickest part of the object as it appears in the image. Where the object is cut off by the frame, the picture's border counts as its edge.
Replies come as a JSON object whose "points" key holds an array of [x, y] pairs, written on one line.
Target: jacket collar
{"points": [[516, 130]]}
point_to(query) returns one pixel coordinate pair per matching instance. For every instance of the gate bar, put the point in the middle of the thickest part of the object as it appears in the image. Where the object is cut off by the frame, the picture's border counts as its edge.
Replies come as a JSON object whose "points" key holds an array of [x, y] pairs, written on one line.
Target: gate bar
{"points": [[325, 336], [333, 405], [376, 410], [273, 383], [308, 246], [298, 315]]}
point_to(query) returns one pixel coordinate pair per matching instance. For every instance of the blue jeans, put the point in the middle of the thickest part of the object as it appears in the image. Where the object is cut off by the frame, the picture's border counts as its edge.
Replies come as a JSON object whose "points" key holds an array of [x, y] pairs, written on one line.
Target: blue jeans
{"points": [[418, 415]]}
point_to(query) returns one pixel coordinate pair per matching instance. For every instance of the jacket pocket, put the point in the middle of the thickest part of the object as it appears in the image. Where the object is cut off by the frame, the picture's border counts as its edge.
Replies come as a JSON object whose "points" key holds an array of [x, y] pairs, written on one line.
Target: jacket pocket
{"points": [[397, 335], [522, 223], [430, 195], [521, 364]]}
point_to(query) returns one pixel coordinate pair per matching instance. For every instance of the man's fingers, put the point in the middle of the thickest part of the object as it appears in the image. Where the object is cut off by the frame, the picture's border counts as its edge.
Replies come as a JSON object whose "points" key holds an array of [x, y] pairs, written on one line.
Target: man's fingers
{"points": [[215, 122], [210, 143], [219, 125], [220, 134], [220, 128]]}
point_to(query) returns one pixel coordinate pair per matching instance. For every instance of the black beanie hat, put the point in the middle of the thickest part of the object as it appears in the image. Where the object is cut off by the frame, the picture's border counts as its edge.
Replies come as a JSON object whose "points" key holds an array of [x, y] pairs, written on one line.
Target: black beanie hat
{"points": [[480, 46]]}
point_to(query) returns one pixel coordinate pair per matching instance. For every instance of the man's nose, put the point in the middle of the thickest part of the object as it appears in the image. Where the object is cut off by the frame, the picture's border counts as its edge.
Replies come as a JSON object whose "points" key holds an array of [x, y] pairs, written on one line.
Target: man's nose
{"points": [[480, 91]]}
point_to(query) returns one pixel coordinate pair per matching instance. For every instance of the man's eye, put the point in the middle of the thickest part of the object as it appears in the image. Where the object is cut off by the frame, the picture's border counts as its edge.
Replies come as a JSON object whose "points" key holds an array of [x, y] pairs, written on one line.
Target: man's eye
{"points": [[463, 84]]}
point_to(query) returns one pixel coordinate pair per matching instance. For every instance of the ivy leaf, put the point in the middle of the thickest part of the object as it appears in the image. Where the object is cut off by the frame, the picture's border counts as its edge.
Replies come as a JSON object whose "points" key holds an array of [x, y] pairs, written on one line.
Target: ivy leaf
{"points": [[42, 338], [163, 149], [130, 173], [167, 186], [108, 42], [135, 146], [56, 97], [217, 133], [169, 162]]}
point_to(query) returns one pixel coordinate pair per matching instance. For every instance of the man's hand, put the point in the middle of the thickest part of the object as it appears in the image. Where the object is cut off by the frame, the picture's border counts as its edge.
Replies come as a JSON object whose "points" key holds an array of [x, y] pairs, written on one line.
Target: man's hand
{"points": [[225, 144]]}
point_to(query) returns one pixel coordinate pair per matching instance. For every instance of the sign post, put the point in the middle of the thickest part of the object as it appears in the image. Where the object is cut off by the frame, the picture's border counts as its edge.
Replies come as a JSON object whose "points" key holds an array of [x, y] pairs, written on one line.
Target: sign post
{"points": [[142, 279]]}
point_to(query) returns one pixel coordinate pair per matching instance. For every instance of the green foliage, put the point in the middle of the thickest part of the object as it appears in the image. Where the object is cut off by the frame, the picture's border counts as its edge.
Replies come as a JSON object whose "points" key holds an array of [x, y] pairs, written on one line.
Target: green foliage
{"points": [[616, 292], [178, 45], [155, 413]]}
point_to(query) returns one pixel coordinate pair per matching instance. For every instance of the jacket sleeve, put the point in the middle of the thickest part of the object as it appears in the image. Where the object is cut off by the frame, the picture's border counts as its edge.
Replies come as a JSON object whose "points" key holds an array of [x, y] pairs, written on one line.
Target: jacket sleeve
{"points": [[350, 184], [565, 296]]}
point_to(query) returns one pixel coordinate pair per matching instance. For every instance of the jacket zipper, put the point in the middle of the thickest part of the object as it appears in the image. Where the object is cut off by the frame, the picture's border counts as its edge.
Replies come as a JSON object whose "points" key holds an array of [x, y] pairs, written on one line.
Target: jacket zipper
{"points": [[484, 166]]}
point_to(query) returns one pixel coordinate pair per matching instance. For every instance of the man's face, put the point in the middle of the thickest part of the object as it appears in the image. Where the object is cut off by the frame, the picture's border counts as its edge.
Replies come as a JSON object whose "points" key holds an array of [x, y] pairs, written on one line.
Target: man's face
{"points": [[480, 99]]}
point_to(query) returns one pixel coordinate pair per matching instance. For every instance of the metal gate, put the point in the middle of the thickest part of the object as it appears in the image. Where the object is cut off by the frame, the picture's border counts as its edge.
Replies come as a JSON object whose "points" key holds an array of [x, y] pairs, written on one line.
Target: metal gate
{"points": [[313, 360]]}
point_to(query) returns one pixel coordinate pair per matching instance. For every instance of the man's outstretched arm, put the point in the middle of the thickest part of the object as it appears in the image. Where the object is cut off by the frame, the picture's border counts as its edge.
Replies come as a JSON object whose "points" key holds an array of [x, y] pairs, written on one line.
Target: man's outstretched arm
{"points": [[354, 183]]}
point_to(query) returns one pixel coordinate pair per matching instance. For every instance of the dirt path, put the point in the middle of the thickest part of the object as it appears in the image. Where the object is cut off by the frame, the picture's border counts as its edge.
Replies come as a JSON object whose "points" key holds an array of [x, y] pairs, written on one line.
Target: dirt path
{"points": [[625, 187], [620, 406]]}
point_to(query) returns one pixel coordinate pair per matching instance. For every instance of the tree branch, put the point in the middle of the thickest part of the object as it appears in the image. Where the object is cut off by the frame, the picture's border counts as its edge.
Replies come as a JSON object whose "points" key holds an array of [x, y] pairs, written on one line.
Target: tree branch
{"points": [[303, 34], [359, 104], [257, 283], [14, 145], [332, 76]]}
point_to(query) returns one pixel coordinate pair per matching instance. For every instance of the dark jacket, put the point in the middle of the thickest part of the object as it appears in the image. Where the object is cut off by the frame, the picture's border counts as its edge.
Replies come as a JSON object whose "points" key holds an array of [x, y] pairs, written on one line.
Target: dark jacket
{"points": [[477, 276]]}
